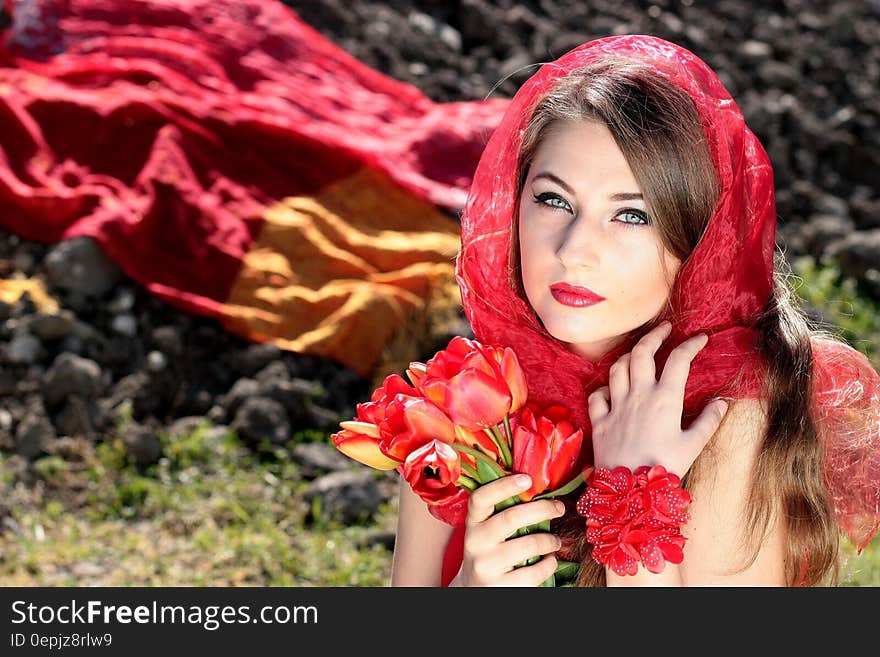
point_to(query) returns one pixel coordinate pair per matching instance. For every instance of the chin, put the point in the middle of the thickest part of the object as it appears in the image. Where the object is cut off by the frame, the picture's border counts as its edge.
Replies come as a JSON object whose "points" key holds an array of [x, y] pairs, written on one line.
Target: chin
{"points": [[572, 332]]}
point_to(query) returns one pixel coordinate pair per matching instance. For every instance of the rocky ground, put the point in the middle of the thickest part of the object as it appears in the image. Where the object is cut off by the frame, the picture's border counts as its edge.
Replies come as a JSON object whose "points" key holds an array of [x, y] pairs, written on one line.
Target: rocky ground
{"points": [[806, 74]]}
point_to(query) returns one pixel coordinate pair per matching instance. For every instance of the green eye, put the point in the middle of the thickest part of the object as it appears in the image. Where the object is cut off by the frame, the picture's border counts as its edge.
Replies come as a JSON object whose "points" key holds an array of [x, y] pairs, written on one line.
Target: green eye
{"points": [[546, 199], [641, 219]]}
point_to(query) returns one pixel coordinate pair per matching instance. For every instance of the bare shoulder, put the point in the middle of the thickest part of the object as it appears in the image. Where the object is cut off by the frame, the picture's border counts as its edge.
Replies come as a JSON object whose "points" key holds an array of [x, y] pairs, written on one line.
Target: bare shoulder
{"points": [[721, 545]]}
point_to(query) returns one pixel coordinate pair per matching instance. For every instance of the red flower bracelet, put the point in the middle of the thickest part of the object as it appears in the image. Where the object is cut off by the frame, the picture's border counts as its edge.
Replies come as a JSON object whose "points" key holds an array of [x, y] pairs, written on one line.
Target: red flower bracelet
{"points": [[635, 517]]}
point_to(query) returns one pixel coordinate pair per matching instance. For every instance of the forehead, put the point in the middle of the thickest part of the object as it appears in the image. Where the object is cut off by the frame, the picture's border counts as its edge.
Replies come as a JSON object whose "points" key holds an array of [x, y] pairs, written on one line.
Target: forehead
{"points": [[582, 148]]}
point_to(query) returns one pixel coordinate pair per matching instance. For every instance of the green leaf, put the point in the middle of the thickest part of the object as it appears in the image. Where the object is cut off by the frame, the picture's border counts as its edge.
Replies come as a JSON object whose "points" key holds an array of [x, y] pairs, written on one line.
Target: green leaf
{"points": [[485, 472], [567, 569]]}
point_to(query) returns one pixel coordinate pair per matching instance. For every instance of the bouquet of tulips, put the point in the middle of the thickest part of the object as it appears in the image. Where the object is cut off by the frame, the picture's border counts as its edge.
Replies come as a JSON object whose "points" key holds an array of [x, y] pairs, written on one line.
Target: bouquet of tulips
{"points": [[463, 420]]}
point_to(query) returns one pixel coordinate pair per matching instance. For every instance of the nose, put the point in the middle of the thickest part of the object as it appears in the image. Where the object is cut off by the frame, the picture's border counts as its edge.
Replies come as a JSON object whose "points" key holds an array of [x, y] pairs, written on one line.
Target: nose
{"points": [[581, 244]]}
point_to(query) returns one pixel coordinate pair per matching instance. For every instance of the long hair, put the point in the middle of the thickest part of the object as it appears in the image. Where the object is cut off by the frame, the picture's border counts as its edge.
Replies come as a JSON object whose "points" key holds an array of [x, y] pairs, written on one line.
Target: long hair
{"points": [[658, 130]]}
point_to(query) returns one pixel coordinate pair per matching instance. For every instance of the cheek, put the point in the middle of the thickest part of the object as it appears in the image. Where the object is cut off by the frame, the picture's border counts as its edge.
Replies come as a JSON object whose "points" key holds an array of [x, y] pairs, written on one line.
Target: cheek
{"points": [[528, 260], [529, 253], [660, 287], [645, 284]]}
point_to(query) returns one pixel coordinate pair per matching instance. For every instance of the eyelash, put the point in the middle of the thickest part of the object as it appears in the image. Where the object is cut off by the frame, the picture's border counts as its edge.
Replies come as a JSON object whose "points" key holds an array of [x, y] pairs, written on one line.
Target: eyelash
{"points": [[540, 199]]}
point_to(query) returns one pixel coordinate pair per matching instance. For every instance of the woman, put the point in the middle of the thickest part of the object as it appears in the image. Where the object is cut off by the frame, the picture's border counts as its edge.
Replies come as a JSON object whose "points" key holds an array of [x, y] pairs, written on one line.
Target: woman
{"points": [[634, 212]]}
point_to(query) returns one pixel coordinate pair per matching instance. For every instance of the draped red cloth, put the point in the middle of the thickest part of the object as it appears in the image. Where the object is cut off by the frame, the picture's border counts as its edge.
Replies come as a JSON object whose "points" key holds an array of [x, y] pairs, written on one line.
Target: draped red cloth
{"points": [[721, 289], [235, 162]]}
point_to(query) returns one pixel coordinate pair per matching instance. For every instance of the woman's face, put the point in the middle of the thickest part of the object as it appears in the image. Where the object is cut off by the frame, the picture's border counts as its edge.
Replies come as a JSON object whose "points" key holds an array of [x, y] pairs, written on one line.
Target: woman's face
{"points": [[582, 221]]}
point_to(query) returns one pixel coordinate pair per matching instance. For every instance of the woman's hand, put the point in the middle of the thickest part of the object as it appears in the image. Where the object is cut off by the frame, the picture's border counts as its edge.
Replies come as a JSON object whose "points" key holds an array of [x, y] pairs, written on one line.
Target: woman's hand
{"points": [[636, 418], [489, 558]]}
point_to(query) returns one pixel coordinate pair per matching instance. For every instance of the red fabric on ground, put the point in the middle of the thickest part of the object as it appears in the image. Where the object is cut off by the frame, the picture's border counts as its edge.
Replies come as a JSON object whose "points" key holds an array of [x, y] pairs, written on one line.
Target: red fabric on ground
{"points": [[166, 129]]}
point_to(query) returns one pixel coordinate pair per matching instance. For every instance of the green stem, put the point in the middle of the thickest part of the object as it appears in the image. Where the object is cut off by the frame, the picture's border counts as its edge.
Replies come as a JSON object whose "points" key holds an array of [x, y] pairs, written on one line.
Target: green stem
{"points": [[508, 432], [510, 501], [469, 471], [477, 454], [498, 445], [467, 482], [502, 442], [563, 490], [543, 526]]}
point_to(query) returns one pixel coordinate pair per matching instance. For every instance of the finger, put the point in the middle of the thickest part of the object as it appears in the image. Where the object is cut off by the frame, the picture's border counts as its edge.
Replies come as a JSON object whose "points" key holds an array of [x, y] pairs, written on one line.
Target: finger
{"points": [[517, 550], [618, 378], [704, 427], [483, 500], [599, 403], [642, 368], [678, 366], [505, 523], [533, 575], [503, 557]]}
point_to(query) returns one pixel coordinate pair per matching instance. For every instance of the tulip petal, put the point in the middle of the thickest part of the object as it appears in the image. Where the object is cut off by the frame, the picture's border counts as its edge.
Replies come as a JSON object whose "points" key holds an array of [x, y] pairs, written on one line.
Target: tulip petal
{"points": [[363, 450], [416, 372], [432, 472], [364, 428], [476, 400], [424, 418], [515, 378]]}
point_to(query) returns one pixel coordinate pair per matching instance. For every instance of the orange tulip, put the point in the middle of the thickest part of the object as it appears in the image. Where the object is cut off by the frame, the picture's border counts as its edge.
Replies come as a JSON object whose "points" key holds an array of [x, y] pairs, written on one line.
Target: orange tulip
{"points": [[415, 372], [360, 441]]}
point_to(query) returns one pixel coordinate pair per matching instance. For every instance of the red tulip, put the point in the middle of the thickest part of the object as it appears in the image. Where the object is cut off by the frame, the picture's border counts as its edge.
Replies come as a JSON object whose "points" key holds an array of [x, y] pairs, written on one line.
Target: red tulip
{"points": [[361, 438], [512, 373], [454, 511], [373, 411], [546, 447], [432, 471], [411, 422], [476, 386]]}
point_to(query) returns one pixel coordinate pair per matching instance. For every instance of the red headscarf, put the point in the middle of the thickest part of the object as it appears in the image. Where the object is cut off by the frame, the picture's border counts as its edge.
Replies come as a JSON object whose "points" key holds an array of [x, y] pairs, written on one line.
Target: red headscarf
{"points": [[721, 289]]}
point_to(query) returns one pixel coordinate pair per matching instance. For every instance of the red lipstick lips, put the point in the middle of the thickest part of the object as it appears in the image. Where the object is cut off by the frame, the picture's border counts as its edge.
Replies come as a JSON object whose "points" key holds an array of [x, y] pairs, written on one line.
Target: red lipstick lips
{"points": [[574, 295]]}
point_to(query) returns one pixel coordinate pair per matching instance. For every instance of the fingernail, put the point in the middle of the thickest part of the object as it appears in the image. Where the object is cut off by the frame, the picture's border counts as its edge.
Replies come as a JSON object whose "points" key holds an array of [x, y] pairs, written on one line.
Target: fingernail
{"points": [[560, 507], [523, 480], [722, 406]]}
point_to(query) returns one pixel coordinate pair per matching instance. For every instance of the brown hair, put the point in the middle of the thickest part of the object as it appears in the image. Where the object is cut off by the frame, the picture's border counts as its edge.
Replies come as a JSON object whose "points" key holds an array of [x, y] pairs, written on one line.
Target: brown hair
{"points": [[652, 121]]}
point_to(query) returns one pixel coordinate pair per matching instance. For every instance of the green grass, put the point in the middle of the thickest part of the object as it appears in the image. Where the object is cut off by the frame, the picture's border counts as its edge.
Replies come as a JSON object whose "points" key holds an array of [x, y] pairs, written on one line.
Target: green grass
{"points": [[862, 569], [853, 317], [210, 513], [214, 512]]}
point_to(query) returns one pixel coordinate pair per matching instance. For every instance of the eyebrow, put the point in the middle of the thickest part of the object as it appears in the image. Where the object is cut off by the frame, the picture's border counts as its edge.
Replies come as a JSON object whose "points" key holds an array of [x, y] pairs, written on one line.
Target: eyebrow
{"points": [[620, 196]]}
